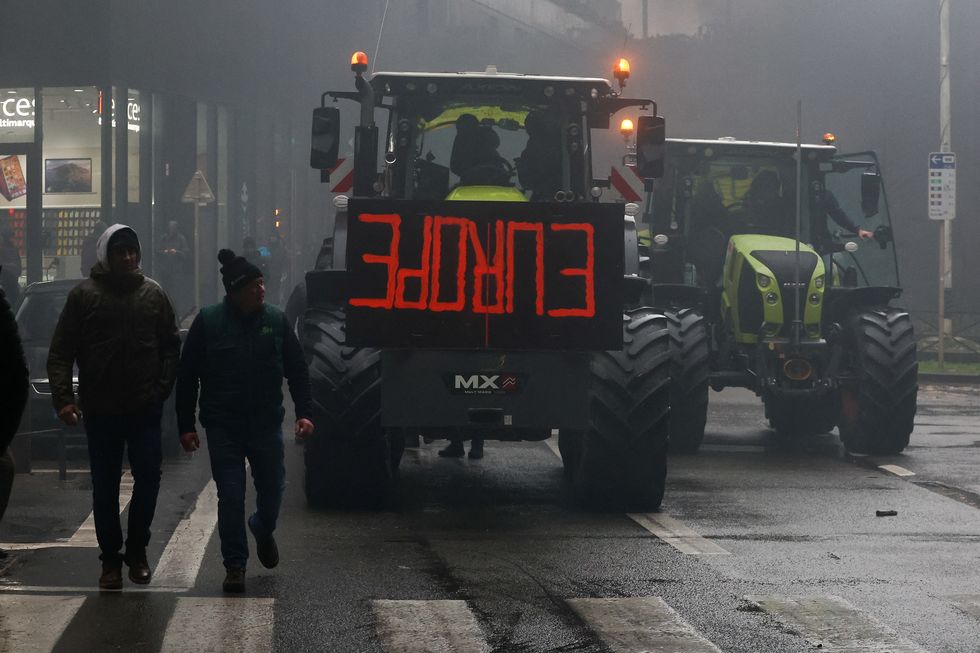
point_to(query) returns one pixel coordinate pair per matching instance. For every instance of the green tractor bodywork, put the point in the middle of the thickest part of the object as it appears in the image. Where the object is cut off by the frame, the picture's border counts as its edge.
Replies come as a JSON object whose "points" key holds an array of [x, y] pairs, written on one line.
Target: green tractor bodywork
{"points": [[472, 155], [798, 313]]}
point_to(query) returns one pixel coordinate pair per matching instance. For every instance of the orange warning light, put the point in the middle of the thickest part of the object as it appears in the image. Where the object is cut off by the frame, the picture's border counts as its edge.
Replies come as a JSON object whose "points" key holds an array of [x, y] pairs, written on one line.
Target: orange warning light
{"points": [[829, 139], [626, 127], [359, 62]]}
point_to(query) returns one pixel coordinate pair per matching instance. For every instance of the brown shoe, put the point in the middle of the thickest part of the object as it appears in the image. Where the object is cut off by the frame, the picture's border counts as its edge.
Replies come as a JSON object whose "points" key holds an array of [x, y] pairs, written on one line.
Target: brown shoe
{"points": [[139, 569], [234, 581], [111, 578]]}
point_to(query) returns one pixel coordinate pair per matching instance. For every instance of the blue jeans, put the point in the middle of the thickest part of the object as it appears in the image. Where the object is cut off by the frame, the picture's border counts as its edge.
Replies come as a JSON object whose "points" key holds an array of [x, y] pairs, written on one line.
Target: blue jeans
{"points": [[108, 435], [229, 448]]}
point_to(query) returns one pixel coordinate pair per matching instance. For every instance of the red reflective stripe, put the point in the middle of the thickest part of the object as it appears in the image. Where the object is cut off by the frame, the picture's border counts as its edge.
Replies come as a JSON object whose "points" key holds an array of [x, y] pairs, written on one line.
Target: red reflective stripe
{"points": [[623, 187]]}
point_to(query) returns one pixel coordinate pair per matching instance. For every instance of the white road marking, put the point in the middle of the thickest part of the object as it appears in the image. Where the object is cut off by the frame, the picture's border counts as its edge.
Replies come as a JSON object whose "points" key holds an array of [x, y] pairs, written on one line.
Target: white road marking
{"points": [[968, 603], [181, 559], [675, 533], [220, 625], [424, 626], [896, 470], [552, 443], [834, 624], [84, 537], [641, 624], [35, 623], [87, 589]]}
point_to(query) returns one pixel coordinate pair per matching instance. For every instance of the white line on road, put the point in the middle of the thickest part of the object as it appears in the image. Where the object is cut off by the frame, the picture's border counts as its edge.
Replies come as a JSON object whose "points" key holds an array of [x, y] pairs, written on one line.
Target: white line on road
{"points": [[423, 626], [87, 589], [675, 533], [220, 625], [834, 624], [642, 623], [84, 537], [35, 623], [968, 603], [896, 470], [184, 553]]}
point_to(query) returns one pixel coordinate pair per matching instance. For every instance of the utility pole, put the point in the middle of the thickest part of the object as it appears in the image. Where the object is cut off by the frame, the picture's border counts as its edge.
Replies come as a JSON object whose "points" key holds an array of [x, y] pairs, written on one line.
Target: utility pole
{"points": [[945, 145]]}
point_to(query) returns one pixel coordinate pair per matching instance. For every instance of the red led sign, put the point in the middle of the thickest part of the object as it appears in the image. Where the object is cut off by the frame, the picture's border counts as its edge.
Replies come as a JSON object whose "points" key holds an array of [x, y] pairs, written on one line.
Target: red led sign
{"points": [[485, 275]]}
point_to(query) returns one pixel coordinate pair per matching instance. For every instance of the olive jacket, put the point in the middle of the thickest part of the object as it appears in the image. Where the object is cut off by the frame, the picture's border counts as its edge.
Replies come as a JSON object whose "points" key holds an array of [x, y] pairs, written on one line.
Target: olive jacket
{"points": [[121, 330]]}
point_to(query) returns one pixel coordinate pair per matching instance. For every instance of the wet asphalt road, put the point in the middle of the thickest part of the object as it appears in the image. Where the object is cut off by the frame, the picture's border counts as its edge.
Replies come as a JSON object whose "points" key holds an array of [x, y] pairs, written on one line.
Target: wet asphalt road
{"points": [[494, 555]]}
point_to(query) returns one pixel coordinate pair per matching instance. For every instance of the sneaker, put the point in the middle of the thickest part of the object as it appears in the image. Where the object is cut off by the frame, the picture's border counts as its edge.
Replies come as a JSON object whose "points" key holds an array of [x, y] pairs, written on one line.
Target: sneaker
{"points": [[139, 568], [476, 450], [265, 548], [454, 450], [111, 578], [234, 581]]}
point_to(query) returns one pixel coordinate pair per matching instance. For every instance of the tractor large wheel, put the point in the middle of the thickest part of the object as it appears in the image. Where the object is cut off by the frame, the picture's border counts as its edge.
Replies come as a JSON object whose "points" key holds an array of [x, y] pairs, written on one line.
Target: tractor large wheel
{"points": [[877, 415], [349, 459], [689, 371], [802, 417], [620, 460]]}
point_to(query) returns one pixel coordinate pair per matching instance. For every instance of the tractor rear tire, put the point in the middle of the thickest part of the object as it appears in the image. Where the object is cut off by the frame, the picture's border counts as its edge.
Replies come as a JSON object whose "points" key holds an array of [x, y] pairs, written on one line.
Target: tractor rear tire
{"points": [[801, 418], [689, 372], [350, 458], [878, 414], [620, 460]]}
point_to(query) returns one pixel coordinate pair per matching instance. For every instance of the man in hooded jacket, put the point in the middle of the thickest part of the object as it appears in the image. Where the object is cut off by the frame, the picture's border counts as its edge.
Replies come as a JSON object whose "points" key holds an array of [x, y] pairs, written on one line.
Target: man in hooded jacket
{"points": [[13, 389], [120, 329]]}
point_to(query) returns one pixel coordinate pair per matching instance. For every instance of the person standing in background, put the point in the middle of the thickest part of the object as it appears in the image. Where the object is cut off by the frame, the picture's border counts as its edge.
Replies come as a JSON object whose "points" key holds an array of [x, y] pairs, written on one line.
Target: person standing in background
{"points": [[173, 252], [11, 267]]}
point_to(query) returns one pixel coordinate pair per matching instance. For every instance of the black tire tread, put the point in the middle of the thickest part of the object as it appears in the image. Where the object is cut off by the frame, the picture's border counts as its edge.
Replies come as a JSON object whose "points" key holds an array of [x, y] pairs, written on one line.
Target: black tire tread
{"points": [[885, 359], [689, 373]]}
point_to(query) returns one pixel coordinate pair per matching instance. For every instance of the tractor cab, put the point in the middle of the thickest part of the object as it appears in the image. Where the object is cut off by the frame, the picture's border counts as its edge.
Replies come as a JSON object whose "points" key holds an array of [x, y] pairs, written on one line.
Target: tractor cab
{"points": [[715, 189]]}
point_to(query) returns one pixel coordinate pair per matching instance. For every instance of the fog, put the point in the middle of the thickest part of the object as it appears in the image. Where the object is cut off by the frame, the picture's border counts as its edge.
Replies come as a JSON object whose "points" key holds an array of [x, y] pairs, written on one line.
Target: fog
{"points": [[866, 70]]}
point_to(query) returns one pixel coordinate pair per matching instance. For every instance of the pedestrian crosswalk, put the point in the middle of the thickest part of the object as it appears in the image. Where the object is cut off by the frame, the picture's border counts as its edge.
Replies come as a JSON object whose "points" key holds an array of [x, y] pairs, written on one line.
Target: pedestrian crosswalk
{"points": [[641, 624]]}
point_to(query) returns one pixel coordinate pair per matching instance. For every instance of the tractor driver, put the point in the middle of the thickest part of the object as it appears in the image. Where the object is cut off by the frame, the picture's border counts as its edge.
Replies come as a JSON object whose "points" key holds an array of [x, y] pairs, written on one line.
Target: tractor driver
{"points": [[474, 157]]}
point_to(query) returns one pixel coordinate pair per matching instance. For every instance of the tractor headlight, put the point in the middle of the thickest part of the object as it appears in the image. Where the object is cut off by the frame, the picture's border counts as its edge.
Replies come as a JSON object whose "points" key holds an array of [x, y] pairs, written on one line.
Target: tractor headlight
{"points": [[771, 298], [763, 280], [815, 299], [818, 283]]}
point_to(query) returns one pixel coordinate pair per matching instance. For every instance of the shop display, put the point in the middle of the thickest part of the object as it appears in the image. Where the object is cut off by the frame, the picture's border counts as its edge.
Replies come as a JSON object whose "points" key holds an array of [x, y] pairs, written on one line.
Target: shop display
{"points": [[13, 184], [65, 229]]}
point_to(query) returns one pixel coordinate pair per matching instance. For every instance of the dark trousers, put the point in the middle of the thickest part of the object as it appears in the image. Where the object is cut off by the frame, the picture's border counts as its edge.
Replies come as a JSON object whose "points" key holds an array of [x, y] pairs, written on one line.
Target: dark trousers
{"points": [[139, 433], [6, 480], [229, 447]]}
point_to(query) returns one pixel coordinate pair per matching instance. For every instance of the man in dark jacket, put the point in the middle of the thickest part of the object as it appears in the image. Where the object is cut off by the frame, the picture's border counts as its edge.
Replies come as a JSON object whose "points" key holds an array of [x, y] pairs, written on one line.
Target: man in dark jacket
{"points": [[120, 328], [13, 389], [239, 351]]}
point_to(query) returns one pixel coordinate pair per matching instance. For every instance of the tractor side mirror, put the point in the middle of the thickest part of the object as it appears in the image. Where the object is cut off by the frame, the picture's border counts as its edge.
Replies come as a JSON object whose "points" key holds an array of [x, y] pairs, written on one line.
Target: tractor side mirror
{"points": [[870, 193], [325, 141], [651, 135]]}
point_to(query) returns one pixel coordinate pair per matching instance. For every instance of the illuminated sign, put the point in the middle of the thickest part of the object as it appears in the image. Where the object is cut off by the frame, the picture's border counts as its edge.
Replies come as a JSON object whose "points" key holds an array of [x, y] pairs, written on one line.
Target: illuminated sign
{"points": [[502, 275], [17, 112]]}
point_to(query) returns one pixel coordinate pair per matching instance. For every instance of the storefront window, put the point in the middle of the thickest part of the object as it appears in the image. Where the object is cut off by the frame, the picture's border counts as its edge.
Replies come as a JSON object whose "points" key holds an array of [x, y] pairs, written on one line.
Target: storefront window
{"points": [[16, 115], [72, 175]]}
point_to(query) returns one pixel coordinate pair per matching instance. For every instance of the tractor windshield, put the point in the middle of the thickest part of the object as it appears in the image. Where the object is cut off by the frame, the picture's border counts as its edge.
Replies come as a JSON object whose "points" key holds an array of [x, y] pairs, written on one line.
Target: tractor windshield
{"points": [[873, 263], [456, 143]]}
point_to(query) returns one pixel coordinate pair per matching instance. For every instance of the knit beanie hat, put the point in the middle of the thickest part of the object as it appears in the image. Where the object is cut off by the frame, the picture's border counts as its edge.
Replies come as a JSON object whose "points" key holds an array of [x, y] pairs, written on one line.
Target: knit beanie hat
{"points": [[236, 272]]}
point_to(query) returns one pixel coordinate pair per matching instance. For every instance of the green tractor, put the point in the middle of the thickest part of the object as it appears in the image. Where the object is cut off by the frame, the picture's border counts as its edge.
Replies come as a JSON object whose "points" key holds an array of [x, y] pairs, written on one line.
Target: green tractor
{"points": [[475, 287], [779, 277]]}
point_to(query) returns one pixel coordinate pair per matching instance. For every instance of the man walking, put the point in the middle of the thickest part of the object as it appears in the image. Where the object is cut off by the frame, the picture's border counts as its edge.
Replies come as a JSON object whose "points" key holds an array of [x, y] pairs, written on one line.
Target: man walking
{"points": [[119, 327], [239, 351], [13, 389]]}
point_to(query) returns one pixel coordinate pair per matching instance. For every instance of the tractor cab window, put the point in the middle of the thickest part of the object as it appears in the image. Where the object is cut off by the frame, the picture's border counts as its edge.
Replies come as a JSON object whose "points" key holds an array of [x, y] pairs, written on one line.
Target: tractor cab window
{"points": [[497, 144], [850, 206]]}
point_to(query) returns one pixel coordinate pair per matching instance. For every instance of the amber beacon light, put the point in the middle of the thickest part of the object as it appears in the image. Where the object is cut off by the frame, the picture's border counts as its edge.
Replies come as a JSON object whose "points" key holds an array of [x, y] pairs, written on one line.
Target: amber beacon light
{"points": [[359, 62], [621, 71], [626, 128]]}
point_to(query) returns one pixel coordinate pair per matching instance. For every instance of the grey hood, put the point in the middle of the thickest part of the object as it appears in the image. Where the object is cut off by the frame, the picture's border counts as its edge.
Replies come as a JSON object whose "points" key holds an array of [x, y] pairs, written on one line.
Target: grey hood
{"points": [[102, 245]]}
